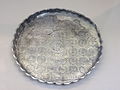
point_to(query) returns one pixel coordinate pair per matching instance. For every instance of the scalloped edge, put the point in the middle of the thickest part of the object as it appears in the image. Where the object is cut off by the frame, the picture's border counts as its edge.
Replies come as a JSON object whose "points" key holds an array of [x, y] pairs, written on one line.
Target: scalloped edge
{"points": [[54, 10]]}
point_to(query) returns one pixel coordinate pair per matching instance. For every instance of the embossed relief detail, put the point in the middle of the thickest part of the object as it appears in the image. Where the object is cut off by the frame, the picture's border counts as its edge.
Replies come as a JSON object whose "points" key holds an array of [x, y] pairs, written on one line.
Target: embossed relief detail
{"points": [[55, 49]]}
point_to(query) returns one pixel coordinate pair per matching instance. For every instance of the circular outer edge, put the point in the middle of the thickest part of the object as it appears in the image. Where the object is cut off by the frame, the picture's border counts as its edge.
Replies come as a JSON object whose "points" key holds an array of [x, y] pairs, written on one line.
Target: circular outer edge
{"points": [[32, 17]]}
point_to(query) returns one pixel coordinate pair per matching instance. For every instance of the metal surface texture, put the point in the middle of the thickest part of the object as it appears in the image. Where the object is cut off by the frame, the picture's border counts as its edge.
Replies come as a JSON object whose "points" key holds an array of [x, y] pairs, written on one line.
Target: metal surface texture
{"points": [[57, 46]]}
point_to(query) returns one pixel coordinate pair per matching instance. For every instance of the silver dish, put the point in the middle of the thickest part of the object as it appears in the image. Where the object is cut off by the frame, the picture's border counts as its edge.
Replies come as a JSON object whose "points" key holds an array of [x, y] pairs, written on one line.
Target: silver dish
{"points": [[57, 46]]}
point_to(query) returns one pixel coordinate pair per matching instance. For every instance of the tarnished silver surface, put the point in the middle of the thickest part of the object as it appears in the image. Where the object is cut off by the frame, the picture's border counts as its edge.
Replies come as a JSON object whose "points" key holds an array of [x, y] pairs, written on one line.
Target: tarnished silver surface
{"points": [[57, 46]]}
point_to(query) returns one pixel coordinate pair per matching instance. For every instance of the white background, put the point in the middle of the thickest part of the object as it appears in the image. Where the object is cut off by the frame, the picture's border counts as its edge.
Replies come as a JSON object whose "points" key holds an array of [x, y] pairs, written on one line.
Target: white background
{"points": [[105, 13]]}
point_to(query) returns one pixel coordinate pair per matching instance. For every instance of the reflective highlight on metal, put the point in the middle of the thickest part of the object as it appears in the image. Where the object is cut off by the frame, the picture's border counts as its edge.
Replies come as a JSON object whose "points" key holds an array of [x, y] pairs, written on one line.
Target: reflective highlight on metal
{"points": [[57, 46]]}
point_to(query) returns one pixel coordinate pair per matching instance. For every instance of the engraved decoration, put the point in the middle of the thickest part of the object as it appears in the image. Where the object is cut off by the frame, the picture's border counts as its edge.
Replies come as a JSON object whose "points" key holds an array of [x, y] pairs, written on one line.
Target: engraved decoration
{"points": [[57, 46]]}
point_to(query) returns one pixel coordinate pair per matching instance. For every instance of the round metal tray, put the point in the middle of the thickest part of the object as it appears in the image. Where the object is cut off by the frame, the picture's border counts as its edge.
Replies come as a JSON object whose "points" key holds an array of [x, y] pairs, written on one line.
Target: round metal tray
{"points": [[57, 46]]}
